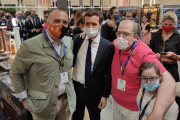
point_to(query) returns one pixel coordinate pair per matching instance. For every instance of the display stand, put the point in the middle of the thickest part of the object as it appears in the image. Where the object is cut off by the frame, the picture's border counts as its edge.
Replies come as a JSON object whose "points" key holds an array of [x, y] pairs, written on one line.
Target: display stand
{"points": [[155, 9], [11, 107]]}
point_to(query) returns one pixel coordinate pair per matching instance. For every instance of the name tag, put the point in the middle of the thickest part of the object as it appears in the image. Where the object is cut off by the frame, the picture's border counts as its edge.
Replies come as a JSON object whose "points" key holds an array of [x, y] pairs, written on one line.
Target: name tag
{"points": [[64, 77], [121, 85]]}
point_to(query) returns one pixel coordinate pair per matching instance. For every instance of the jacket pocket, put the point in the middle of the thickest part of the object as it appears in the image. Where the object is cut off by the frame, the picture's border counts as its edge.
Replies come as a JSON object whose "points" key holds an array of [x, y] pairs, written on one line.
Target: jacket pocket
{"points": [[46, 67], [37, 95]]}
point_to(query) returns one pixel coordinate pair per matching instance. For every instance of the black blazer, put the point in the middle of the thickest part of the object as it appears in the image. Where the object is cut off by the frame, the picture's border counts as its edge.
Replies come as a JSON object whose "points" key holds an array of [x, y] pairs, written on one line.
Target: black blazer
{"points": [[101, 74], [108, 32], [29, 25], [21, 29]]}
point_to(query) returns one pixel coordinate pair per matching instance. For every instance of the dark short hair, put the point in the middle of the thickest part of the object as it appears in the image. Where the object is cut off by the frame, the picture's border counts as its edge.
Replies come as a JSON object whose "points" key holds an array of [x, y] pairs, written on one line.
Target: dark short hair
{"points": [[147, 65], [28, 13], [94, 12], [58, 9], [147, 17], [32, 11], [129, 12], [111, 11], [124, 13]]}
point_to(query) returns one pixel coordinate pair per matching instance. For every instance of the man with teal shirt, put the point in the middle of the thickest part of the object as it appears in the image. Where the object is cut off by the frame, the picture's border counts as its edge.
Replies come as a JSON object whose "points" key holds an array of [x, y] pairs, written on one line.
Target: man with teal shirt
{"points": [[46, 60]]}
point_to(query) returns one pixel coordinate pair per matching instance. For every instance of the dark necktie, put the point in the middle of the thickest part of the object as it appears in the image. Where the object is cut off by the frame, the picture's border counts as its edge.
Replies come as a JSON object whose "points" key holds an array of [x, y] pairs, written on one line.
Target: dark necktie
{"points": [[34, 22], [88, 66]]}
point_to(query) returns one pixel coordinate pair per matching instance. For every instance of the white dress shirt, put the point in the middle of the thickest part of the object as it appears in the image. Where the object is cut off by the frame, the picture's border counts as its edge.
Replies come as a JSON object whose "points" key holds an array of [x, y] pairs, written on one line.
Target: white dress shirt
{"points": [[19, 23], [79, 68], [62, 88]]}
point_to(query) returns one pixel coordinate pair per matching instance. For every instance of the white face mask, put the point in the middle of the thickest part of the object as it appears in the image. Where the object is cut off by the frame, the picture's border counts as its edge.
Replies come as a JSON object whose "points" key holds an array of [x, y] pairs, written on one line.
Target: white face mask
{"points": [[122, 43], [91, 32]]}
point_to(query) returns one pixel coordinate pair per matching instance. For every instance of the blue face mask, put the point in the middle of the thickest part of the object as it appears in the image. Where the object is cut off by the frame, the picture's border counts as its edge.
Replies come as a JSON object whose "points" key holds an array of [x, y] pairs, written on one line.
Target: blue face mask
{"points": [[128, 18], [33, 16], [20, 17], [150, 87], [117, 17]]}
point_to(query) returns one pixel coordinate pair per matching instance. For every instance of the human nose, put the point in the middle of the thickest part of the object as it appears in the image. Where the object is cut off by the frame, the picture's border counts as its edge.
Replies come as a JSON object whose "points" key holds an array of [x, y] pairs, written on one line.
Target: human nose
{"points": [[120, 35], [148, 81]]}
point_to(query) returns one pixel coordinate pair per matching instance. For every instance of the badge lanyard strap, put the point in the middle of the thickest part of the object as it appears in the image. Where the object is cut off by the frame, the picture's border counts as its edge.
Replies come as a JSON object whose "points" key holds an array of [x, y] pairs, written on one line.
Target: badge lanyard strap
{"points": [[49, 42], [122, 69], [145, 107]]}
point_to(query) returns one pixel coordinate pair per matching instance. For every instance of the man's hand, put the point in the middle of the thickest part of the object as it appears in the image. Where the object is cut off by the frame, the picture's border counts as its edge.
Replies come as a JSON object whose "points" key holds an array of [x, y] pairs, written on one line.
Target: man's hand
{"points": [[82, 35], [37, 31], [158, 55], [72, 16], [111, 24], [102, 103], [34, 30], [25, 104]]}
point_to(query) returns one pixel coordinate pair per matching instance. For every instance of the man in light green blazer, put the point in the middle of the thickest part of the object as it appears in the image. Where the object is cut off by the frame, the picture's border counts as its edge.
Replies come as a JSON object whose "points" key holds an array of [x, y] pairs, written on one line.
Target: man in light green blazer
{"points": [[46, 60]]}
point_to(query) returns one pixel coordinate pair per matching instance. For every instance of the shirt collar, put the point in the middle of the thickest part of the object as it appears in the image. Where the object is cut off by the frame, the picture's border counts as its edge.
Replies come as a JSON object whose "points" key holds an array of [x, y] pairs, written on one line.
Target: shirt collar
{"points": [[96, 39], [32, 18], [52, 41]]}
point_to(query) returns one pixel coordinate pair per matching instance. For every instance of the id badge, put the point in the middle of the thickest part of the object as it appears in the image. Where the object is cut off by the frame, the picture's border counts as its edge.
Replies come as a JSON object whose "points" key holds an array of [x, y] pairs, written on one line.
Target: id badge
{"points": [[64, 77], [121, 85]]}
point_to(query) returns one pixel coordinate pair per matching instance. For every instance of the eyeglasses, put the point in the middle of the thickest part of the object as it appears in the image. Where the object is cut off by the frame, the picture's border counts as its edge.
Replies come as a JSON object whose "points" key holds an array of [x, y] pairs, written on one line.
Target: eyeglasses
{"points": [[151, 79], [125, 34]]}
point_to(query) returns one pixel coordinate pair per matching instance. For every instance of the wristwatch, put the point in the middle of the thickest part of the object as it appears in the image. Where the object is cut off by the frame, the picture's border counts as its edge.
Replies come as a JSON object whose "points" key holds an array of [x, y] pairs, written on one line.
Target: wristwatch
{"points": [[174, 56], [22, 100]]}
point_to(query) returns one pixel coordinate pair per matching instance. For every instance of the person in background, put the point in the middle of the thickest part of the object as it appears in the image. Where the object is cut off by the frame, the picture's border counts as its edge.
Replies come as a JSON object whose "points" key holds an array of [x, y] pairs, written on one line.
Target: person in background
{"points": [[129, 16], [28, 15], [45, 19], [8, 19], [71, 20], [166, 45], [123, 15], [22, 28], [135, 12], [109, 29], [33, 25], [46, 61], [151, 78], [145, 28], [36, 15], [104, 18], [79, 23], [130, 53], [92, 67]]}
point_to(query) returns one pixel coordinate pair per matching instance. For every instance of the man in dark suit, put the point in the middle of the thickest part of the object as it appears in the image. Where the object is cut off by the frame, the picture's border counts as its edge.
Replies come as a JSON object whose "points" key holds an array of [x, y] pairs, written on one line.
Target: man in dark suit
{"points": [[109, 29], [22, 28], [33, 25], [92, 67]]}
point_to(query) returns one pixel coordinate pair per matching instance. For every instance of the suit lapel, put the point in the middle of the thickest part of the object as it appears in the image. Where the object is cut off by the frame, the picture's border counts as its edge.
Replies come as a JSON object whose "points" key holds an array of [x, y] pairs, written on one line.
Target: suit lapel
{"points": [[101, 49], [31, 24]]}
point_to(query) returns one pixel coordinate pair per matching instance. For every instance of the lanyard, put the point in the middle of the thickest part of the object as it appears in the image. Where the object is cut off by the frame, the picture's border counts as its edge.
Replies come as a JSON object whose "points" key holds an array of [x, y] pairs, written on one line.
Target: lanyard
{"points": [[122, 69], [59, 58], [145, 107]]}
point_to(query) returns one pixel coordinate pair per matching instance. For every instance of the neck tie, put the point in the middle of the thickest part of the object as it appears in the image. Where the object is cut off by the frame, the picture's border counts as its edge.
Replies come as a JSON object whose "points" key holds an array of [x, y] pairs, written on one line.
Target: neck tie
{"points": [[34, 22], [88, 66]]}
